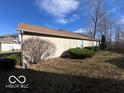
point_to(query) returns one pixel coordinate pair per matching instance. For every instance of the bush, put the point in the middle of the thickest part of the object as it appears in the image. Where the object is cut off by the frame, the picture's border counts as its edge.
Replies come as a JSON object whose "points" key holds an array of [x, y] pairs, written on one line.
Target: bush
{"points": [[79, 53], [36, 49], [7, 63], [16, 57], [90, 48], [94, 48], [103, 45]]}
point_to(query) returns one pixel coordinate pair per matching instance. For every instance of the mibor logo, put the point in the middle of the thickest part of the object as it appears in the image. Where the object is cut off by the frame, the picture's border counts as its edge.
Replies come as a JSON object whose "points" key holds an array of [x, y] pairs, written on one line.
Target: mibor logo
{"points": [[13, 79], [17, 82]]}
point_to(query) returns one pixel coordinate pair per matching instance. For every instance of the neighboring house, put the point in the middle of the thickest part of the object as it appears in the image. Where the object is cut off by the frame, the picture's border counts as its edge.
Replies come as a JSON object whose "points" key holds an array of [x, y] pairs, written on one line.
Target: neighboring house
{"points": [[9, 43], [63, 40]]}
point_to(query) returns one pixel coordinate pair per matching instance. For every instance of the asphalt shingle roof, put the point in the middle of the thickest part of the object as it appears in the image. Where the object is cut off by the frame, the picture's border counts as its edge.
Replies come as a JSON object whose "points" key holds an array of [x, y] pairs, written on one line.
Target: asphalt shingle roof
{"points": [[38, 29]]}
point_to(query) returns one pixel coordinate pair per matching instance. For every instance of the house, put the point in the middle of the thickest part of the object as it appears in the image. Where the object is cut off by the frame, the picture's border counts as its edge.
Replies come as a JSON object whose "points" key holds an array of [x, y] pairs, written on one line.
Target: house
{"points": [[63, 40], [9, 43]]}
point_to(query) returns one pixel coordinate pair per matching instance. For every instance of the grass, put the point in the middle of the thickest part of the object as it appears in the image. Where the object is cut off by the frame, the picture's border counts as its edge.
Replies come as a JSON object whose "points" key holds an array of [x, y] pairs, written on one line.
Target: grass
{"points": [[98, 66], [8, 52], [103, 73], [16, 55]]}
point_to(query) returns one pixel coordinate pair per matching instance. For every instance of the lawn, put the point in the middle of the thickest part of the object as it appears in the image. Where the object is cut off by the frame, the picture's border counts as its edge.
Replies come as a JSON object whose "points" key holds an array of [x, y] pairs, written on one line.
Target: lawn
{"points": [[16, 55], [103, 73]]}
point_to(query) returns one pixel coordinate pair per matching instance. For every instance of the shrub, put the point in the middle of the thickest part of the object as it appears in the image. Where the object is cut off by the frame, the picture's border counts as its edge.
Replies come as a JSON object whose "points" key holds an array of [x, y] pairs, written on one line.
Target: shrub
{"points": [[94, 48], [7, 63], [103, 44], [36, 49], [79, 53], [16, 57], [90, 48]]}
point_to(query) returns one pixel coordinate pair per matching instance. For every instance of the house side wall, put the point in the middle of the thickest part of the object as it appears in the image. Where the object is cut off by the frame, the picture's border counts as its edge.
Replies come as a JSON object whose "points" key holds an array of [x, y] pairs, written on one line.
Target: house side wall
{"points": [[89, 43], [62, 44], [0, 46], [9, 46]]}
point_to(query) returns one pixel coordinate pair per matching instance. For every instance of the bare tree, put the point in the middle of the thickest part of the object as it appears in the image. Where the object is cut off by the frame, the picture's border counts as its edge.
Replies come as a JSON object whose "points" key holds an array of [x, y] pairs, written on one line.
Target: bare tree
{"points": [[117, 34], [96, 14], [111, 31], [90, 30], [36, 49], [119, 38], [105, 27]]}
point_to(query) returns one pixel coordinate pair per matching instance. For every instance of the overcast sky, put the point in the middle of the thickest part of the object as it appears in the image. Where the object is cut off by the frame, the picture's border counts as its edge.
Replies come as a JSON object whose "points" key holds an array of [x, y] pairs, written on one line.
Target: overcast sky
{"points": [[69, 15]]}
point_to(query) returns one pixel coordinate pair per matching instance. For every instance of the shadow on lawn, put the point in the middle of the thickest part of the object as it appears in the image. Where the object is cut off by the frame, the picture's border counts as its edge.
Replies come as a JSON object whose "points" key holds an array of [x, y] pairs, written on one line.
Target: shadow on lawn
{"points": [[44, 82], [117, 61]]}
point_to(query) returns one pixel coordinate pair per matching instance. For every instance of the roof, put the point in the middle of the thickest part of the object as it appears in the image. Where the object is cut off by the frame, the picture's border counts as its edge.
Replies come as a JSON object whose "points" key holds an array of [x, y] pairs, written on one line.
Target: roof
{"points": [[8, 39], [42, 30]]}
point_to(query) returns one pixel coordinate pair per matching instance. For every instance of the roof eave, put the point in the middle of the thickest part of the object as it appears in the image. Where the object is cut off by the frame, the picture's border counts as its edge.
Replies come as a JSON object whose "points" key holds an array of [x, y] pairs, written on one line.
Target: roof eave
{"points": [[24, 30]]}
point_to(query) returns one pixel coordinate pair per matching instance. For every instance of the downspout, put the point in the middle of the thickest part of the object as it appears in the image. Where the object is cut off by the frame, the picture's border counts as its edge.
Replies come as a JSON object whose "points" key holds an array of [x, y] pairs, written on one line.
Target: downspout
{"points": [[0, 46], [22, 61]]}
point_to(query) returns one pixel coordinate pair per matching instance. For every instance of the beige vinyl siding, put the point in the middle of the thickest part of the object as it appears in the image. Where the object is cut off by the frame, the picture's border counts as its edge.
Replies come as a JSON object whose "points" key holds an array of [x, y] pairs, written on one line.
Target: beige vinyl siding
{"points": [[62, 44], [89, 43]]}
